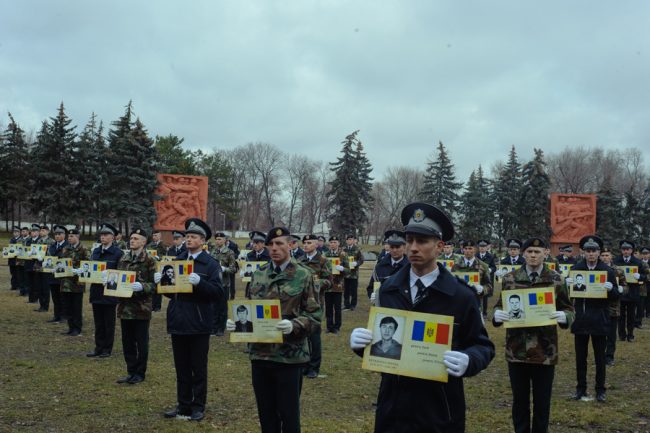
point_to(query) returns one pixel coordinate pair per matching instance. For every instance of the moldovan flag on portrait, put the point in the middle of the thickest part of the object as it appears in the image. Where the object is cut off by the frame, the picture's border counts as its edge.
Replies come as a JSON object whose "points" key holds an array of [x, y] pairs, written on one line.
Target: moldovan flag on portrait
{"points": [[437, 333], [540, 298], [185, 269], [99, 267], [597, 278], [267, 311], [471, 278], [335, 261], [128, 278]]}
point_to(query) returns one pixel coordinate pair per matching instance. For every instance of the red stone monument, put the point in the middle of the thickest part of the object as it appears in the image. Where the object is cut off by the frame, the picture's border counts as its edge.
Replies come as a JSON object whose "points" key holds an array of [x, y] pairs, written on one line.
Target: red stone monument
{"points": [[183, 197], [572, 217]]}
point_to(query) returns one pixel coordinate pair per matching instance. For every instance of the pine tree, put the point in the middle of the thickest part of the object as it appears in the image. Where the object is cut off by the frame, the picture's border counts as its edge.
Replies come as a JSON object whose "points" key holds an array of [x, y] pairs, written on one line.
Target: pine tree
{"points": [[471, 201], [349, 196], [506, 196], [51, 163], [485, 208], [222, 208], [609, 212], [14, 185], [440, 186], [141, 168], [172, 158], [119, 148], [534, 205]]}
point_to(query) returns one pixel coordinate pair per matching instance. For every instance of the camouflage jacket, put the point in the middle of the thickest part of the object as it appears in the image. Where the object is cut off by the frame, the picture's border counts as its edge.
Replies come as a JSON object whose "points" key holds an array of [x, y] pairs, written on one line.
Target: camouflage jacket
{"points": [[294, 287], [322, 273], [43, 240], [337, 280], [643, 288], [538, 344], [138, 306], [354, 255], [226, 258], [615, 304], [121, 244], [160, 248], [72, 284], [477, 266]]}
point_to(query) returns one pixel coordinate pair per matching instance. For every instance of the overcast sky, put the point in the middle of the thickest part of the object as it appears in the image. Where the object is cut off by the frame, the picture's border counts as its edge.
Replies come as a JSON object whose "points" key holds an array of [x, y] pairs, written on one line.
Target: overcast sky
{"points": [[477, 75]]}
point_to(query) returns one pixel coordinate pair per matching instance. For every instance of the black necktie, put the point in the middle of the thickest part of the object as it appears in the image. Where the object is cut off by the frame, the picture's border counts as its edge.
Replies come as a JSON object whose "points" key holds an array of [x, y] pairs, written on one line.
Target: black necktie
{"points": [[396, 265], [467, 263], [419, 296], [277, 270], [513, 261], [533, 276]]}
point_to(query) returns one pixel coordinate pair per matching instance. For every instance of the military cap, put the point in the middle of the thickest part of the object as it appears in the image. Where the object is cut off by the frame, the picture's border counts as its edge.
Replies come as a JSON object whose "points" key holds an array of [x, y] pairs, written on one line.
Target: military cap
{"points": [[199, 227], [334, 238], [606, 249], [645, 250], [45, 227], [154, 231], [322, 238], [250, 235], [566, 248], [469, 243], [177, 234], [483, 243], [35, 227], [257, 236], [60, 230], [533, 242], [428, 220], [107, 229], [591, 242], [276, 232], [25, 228], [295, 238], [513, 243], [626, 244], [139, 231], [15, 228], [74, 231], [450, 243], [311, 238], [220, 235], [350, 236], [394, 237]]}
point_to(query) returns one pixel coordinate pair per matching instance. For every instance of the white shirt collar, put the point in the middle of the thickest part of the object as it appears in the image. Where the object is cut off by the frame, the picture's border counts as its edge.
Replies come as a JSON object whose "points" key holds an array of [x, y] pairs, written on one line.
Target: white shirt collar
{"points": [[193, 256], [427, 280], [313, 255], [394, 262], [471, 261]]}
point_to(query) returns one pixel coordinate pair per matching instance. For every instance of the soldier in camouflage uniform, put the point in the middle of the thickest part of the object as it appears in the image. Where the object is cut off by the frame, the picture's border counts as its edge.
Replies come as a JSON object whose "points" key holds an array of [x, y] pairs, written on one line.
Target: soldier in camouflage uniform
{"points": [[470, 263], [160, 248], [72, 291], [322, 275], [614, 304], [351, 280], [21, 275], [277, 367], [334, 293], [33, 283], [135, 312], [119, 242], [43, 278], [226, 258], [532, 352]]}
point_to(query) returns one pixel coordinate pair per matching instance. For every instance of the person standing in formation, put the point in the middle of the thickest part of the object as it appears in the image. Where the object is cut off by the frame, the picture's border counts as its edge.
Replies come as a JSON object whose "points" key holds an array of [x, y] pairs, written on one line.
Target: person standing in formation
{"points": [[335, 292], [72, 290], [226, 258], [351, 279], [469, 263], [15, 239], [157, 245], [56, 250], [630, 301], [391, 263], [179, 244]]}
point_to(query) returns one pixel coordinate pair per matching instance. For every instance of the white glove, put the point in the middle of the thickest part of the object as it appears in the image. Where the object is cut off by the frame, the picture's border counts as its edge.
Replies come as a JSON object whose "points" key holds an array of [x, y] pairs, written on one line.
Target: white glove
{"points": [[241, 273], [230, 325], [373, 298], [568, 281], [75, 271], [620, 289], [340, 268], [40, 259], [636, 275], [478, 288], [360, 338], [456, 362], [157, 277], [559, 315], [353, 264], [225, 269], [136, 287], [501, 316], [608, 286], [284, 325], [194, 279], [104, 277], [499, 273]]}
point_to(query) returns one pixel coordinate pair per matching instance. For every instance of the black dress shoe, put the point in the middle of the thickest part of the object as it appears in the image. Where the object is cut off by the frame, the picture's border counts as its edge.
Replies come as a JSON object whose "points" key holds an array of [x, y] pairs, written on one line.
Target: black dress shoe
{"points": [[124, 379], [601, 397], [40, 310], [176, 412], [312, 374], [622, 337], [67, 333], [197, 415], [609, 362], [579, 395], [630, 338], [136, 378], [104, 355], [92, 354], [55, 320], [75, 333]]}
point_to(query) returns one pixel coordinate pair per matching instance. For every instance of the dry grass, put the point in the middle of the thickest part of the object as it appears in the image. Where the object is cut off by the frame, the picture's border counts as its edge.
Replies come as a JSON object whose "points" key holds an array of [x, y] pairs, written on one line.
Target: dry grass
{"points": [[48, 385]]}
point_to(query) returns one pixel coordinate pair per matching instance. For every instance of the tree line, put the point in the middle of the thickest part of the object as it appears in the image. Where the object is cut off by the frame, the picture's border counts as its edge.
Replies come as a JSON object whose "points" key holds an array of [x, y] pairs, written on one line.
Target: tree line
{"points": [[86, 177]]}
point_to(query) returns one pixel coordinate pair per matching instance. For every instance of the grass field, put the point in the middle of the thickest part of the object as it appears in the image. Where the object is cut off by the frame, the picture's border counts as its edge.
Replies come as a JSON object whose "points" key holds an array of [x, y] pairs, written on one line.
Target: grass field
{"points": [[48, 385]]}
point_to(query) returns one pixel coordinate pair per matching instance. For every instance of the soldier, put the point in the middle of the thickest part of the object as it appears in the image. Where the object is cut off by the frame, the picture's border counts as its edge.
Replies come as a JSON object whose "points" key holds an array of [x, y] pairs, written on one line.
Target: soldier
{"points": [[23, 287], [489, 259], [56, 250], [469, 263], [179, 244], [72, 290], [592, 319], [385, 251], [135, 312], [276, 369], [629, 301], [407, 404], [351, 280], [614, 304], [532, 352], [448, 251], [189, 321], [321, 244], [33, 284], [294, 249], [104, 306], [258, 253], [641, 309], [15, 239], [322, 274], [231, 275], [226, 258], [391, 263], [43, 278], [335, 292], [119, 242], [161, 249], [566, 255]]}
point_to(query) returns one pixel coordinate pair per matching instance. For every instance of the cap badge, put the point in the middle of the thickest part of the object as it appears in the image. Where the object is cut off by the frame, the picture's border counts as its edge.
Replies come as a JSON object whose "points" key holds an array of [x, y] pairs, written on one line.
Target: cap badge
{"points": [[278, 232], [418, 215]]}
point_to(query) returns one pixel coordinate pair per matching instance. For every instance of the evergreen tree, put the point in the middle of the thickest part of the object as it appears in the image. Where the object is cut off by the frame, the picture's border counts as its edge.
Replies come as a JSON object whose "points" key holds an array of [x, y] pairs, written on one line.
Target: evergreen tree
{"points": [[349, 196], [141, 169], [14, 186], [222, 209], [485, 208], [51, 163], [609, 212], [470, 220], [506, 196], [534, 206], [440, 186], [172, 158], [119, 183]]}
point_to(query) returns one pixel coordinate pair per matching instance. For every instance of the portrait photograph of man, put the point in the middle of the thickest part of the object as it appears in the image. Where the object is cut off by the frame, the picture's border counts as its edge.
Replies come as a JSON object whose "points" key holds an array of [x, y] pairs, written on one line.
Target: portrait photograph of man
{"points": [[515, 312], [85, 271], [388, 345], [111, 284], [243, 324], [168, 276], [579, 286]]}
